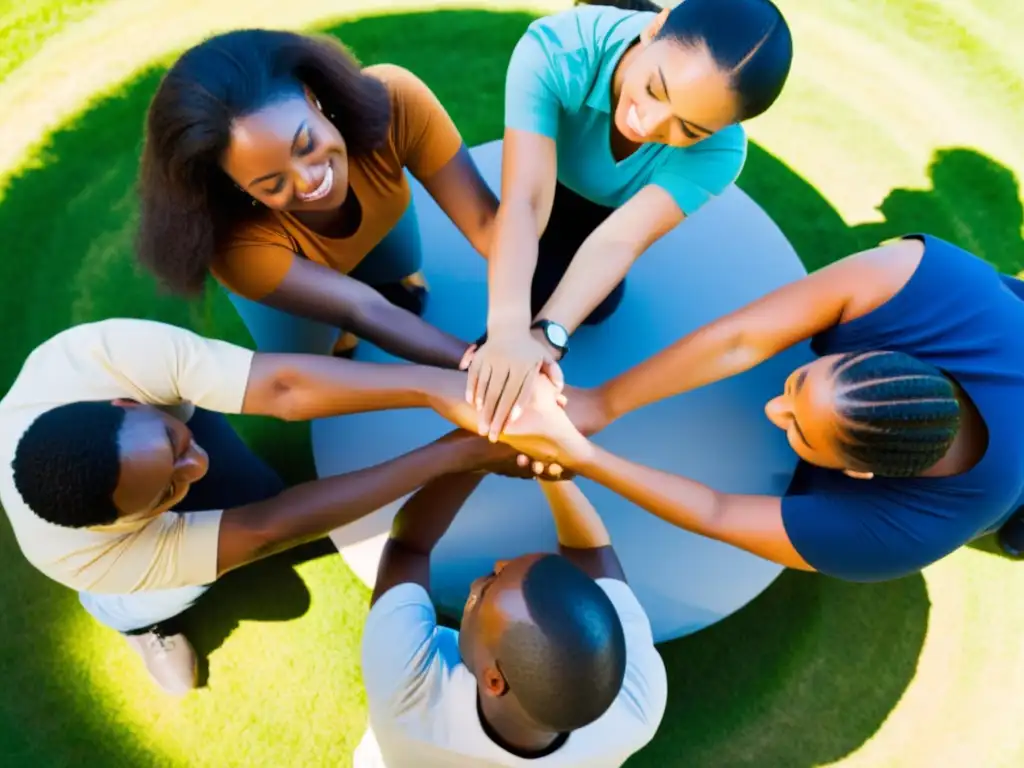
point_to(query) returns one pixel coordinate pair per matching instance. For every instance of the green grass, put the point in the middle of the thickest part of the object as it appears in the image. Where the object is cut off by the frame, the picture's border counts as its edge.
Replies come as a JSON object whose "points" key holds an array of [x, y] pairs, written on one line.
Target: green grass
{"points": [[900, 116]]}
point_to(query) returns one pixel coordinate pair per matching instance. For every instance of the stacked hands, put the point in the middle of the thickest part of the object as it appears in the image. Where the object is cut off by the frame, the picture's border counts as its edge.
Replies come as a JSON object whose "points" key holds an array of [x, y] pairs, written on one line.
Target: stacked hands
{"points": [[538, 429]]}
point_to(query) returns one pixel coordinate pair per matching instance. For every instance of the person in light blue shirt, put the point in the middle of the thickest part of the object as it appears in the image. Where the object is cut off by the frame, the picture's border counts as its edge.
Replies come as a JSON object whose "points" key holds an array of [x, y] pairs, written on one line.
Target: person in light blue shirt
{"points": [[619, 124]]}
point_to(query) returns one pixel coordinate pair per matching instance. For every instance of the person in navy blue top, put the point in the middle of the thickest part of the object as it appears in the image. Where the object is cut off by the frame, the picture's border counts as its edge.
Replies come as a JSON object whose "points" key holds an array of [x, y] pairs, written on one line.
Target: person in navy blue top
{"points": [[908, 424]]}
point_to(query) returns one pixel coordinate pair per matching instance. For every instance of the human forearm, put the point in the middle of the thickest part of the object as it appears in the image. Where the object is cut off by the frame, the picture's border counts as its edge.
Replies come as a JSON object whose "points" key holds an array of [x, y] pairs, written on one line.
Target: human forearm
{"points": [[582, 538], [511, 266], [405, 335], [427, 515], [576, 521], [314, 509], [677, 500], [594, 272], [709, 354], [302, 387]]}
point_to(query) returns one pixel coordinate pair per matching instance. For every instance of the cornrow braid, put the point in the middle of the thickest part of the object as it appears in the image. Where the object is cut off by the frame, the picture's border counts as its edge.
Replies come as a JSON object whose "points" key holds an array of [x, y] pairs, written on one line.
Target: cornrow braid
{"points": [[899, 414]]}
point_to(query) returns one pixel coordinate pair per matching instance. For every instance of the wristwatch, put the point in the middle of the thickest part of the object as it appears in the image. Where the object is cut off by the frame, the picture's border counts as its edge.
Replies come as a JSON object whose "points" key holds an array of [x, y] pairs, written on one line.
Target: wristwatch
{"points": [[555, 334]]}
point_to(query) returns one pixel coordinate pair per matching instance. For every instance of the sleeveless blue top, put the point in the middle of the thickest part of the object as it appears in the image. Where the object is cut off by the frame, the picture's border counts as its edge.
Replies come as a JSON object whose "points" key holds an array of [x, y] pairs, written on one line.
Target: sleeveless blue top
{"points": [[957, 313]]}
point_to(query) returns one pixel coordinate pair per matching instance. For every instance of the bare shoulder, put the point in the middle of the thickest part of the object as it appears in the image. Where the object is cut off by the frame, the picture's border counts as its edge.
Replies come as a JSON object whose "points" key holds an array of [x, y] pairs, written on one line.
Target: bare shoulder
{"points": [[876, 275]]}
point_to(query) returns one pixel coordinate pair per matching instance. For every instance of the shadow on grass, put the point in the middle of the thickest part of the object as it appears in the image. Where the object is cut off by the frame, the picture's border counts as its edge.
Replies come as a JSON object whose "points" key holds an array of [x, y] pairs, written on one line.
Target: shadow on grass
{"points": [[803, 675]]}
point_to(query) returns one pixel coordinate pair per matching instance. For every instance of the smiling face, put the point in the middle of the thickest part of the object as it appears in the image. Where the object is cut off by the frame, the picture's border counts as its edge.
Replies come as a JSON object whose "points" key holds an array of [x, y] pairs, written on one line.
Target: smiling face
{"points": [[159, 462], [289, 156], [669, 93], [806, 411]]}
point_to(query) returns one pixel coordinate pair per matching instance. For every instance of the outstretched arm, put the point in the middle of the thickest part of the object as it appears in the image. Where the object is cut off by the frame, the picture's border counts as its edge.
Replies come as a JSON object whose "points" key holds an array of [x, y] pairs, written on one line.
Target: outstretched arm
{"points": [[607, 254], [314, 291], [752, 334], [753, 523], [582, 537], [302, 387], [314, 509], [418, 526]]}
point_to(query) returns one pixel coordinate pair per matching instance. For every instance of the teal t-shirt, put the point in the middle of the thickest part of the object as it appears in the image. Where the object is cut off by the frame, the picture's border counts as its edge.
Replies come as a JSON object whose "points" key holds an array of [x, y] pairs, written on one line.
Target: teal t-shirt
{"points": [[559, 85]]}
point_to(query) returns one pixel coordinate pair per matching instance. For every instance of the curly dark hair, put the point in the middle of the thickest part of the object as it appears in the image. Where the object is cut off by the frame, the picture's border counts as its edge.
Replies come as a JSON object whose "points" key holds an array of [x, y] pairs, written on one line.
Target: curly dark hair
{"points": [[188, 204], [67, 464], [898, 415]]}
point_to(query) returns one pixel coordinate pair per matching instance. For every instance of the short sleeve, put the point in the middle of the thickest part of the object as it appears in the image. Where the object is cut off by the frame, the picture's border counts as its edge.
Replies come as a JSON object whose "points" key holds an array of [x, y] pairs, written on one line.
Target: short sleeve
{"points": [[866, 537], [143, 360], [174, 550], [166, 365], [425, 136], [404, 650], [531, 98], [255, 261], [695, 175], [645, 688]]}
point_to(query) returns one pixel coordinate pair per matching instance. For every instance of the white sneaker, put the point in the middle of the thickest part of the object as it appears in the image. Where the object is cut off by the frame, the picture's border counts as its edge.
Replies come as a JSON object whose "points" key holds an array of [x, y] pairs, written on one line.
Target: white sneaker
{"points": [[169, 659]]}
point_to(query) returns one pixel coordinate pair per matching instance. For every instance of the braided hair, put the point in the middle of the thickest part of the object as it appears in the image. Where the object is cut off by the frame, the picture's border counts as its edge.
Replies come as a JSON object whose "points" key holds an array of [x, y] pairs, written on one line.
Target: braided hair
{"points": [[898, 415]]}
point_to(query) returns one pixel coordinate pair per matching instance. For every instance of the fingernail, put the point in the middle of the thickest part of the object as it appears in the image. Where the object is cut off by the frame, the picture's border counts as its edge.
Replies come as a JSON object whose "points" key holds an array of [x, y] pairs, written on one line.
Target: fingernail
{"points": [[480, 402], [521, 460], [538, 467], [516, 412]]}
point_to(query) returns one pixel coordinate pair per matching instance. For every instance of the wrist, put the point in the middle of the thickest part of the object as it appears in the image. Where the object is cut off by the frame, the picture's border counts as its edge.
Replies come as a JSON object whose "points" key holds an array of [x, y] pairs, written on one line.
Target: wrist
{"points": [[610, 401], [475, 452], [433, 385], [506, 323], [552, 350], [604, 397], [577, 455]]}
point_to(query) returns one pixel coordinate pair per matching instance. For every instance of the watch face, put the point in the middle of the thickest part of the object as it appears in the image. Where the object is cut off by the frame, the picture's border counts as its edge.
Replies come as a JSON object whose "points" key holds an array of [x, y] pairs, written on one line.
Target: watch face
{"points": [[556, 335]]}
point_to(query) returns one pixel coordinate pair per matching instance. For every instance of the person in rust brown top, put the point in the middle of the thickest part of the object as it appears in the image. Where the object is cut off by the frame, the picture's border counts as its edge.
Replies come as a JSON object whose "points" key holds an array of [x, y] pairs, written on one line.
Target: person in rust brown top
{"points": [[275, 163]]}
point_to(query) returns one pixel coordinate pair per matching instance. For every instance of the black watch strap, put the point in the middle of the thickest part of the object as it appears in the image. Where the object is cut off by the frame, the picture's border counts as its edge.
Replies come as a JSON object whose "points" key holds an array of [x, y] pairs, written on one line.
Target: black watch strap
{"points": [[544, 325]]}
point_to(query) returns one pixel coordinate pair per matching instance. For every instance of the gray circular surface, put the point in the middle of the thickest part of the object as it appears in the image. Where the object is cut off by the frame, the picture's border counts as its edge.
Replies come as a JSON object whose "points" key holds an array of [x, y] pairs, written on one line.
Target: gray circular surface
{"points": [[725, 256]]}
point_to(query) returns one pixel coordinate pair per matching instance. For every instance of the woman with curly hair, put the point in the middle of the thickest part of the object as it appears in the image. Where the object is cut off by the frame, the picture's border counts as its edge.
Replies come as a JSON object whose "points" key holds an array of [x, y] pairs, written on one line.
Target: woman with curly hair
{"points": [[275, 163]]}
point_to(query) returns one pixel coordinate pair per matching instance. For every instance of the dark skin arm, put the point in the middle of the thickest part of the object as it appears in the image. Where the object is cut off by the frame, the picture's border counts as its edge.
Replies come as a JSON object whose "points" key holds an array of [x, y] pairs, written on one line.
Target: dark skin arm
{"points": [[418, 526], [426, 517], [303, 387], [312, 510], [461, 192], [314, 291], [582, 537]]}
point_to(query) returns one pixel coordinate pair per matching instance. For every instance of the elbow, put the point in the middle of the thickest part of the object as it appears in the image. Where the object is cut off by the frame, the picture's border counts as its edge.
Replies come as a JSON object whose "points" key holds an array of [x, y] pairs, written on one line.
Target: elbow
{"points": [[714, 522], [287, 395], [741, 350]]}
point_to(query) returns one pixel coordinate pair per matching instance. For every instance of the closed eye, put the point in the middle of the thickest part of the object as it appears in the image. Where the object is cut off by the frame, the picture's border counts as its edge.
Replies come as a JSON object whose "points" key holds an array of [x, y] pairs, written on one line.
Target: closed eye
{"points": [[687, 132], [681, 123], [308, 147], [278, 186]]}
